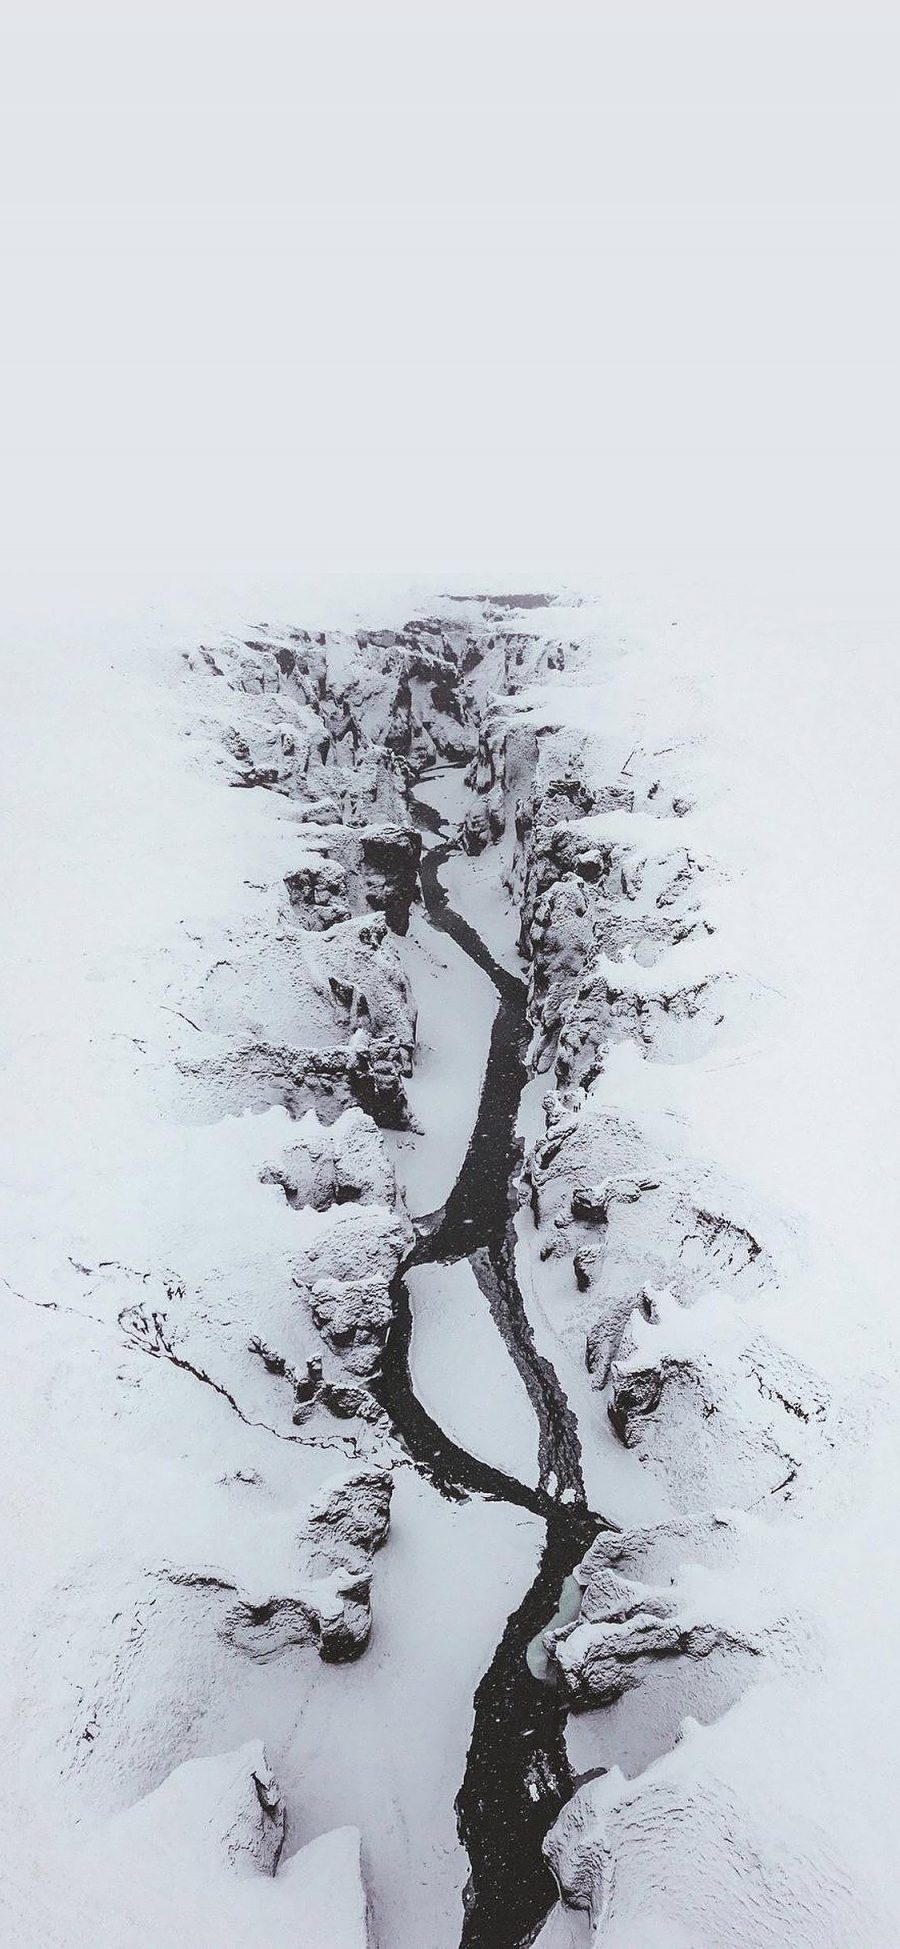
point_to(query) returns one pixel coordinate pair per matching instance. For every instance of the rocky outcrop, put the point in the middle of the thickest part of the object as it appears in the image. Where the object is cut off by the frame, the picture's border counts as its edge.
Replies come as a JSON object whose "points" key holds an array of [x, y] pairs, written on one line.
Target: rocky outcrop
{"points": [[366, 980], [349, 872], [335, 1164], [606, 890], [718, 1408], [657, 1223], [626, 1624], [318, 891], [346, 988], [347, 1521], [391, 861], [346, 1278], [674, 1024], [368, 1071], [350, 1516]]}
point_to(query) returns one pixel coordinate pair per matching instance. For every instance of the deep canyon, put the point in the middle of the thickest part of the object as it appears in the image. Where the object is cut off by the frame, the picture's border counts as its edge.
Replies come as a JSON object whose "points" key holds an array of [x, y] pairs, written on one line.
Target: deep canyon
{"points": [[428, 1563]]}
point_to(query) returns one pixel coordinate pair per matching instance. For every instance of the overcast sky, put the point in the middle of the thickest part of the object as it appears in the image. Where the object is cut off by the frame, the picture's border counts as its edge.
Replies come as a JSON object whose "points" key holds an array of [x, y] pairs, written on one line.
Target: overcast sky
{"points": [[435, 286]]}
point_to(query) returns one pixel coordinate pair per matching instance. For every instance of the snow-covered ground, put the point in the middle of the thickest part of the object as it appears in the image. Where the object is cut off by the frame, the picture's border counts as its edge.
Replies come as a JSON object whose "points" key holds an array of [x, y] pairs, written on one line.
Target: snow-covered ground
{"points": [[463, 1374], [456, 1005], [181, 1232]]}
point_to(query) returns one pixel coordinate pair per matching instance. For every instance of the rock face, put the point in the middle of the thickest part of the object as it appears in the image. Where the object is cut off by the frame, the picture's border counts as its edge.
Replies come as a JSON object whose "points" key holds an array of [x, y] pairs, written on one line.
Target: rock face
{"points": [[335, 1164], [368, 1071], [607, 893], [657, 1224], [618, 911], [345, 1278], [756, 1414], [318, 892], [669, 1592], [347, 1521], [376, 868], [391, 858], [602, 932], [624, 1625]]}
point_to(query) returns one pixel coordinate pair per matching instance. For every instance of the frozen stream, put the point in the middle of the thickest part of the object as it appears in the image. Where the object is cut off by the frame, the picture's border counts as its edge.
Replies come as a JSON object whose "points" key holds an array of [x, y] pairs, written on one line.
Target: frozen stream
{"points": [[517, 1774]]}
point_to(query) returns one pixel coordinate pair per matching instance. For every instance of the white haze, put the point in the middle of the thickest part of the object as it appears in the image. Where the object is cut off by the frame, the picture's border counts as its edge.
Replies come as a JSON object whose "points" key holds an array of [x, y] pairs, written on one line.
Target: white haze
{"points": [[581, 289]]}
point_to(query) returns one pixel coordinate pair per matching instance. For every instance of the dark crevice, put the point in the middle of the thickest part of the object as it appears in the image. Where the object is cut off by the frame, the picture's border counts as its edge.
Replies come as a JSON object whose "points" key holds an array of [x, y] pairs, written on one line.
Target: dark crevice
{"points": [[517, 1774]]}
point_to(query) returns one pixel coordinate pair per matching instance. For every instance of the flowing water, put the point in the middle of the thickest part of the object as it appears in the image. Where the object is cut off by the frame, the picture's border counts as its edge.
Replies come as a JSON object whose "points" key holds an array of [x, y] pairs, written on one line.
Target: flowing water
{"points": [[517, 1774]]}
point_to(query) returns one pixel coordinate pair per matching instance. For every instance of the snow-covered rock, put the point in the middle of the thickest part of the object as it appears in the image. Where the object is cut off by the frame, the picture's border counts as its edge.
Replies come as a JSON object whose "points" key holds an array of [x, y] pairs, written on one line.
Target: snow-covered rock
{"points": [[335, 1164], [349, 870], [679, 1590], [202, 1858]]}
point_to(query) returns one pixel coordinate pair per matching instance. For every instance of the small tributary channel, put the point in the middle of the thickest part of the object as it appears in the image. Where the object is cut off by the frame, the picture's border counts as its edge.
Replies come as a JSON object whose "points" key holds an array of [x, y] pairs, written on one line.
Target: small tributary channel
{"points": [[517, 1773]]}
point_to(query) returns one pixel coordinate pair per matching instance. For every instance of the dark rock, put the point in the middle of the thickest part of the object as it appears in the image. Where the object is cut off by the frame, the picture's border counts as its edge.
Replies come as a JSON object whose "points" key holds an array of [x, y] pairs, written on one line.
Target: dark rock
{"points": [[391, 855], [318, 893]]}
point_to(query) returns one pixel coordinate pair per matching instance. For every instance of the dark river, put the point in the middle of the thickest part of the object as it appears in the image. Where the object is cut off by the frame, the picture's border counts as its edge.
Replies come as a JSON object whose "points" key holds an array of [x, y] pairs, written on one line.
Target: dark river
{"points": [[517, 1774]]}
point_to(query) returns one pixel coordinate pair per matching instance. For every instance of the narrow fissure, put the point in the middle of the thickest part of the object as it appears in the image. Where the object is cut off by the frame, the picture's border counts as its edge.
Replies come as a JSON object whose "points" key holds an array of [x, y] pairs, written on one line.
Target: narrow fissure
{"points": [[517, 1775]]}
